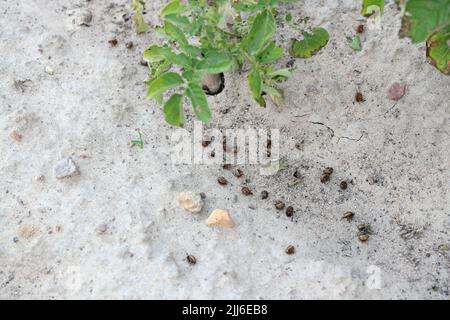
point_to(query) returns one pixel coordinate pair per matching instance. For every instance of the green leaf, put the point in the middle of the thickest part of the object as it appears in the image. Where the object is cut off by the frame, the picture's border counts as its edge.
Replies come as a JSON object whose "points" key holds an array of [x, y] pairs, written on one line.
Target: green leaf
{"points": [[281, 73], [173, 110], [422, 18], [270, 54], [138, 18], [199, 102], [156, 53], [311, 43], [215, 62], [369, 7], [175, 33], [173, 7], [163, 83], [356, 43], [275, 94], [438, 50], [261, 32], [255, 83]]}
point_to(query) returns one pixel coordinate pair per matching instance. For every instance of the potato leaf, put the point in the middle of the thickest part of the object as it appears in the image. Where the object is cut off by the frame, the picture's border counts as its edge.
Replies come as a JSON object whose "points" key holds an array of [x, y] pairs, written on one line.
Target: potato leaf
{"points": [[163, 83], [138, 18], [369, 7], [199, 102], [173, 7], [310, 44], [255, 82], [422, 18], [173, 110], [215, 62], [261, 33], [270, 54], [438, 50]]}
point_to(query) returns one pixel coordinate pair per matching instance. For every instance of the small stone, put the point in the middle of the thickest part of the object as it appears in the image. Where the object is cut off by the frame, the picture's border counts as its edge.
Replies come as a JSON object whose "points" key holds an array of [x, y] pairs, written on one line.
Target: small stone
{"points": [[290, 249], [191, 259], [49, 70], [66, 168], [360, 28], [190, 201], [203, 195], [15, 239], [289, 211], [396, 91], [348, 216], [14, 135], [226, 166], [363, 237], [279, 205], [129, 45], [238, 173], [101, 229], [144, 63], [113, 42], [359, 97], [328, 171], [325, 178], [84, 18], [220, 218], [246, 191], [343, 185], [264, 195], [222, 181]]}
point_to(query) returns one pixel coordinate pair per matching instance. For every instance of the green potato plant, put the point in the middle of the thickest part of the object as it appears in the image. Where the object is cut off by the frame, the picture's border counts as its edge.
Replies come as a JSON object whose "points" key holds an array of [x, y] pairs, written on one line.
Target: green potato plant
{"points": [[205, 37]]}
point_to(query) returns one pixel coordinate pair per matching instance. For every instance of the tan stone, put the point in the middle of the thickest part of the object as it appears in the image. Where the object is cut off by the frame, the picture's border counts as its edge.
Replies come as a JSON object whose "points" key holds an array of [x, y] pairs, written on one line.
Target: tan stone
{"points": [[220, 218], [190, 201]]}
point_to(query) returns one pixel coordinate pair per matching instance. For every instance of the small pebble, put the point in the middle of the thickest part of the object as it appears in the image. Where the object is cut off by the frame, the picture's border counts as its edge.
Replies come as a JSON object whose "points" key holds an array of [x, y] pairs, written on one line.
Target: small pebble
{"points": [[289, 211], [84, 18], [191, 259], [264, 195], [101, 229], [363, 237], [290, 249], [238, 173], [279, 205], [343, 185], [66, 168], [360, 28], [49, 70], [222, 181], [190, 201], [129, 45], [359, 97], [14, 135], [396, 91], [113, 42], [246, 191], [221, 218], [348, 216]]}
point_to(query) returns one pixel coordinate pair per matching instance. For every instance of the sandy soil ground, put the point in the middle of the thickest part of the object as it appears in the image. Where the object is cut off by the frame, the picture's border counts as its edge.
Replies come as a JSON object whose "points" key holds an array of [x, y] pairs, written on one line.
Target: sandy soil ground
{"points": [[116, 231]]}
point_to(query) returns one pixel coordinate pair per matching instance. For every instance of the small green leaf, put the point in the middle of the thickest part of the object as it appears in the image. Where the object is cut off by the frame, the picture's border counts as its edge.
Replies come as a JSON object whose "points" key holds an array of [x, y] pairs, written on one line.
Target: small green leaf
{"points": [[438, 50], [173, 7], [175, 33], [369, 7], [138, 18], [422, 18], [173, 110], [356, 43], [199, 102], [280, 74], [310, 44], [156, 53], [163, 83], [255, 82], [215, 62], [270, 54], [261, 32]]}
